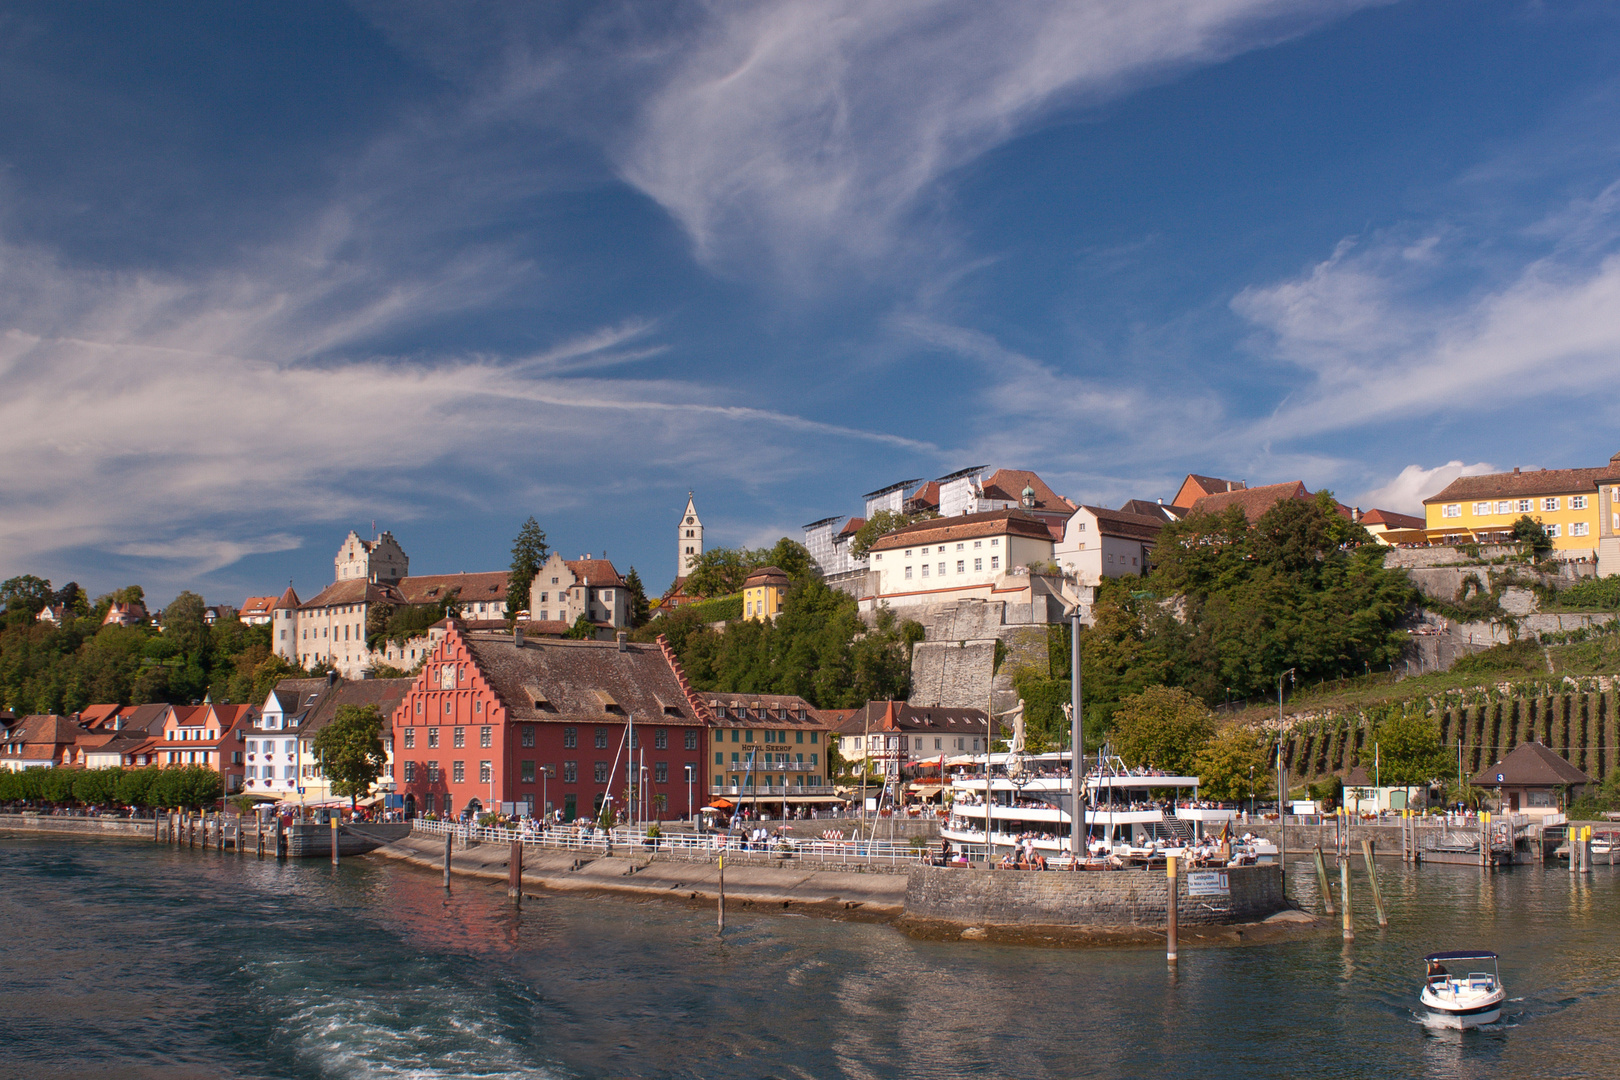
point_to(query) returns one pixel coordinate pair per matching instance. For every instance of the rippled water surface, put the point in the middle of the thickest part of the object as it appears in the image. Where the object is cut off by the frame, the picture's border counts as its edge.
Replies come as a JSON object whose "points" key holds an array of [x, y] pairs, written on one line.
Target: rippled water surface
{"points": [[128, 960]]}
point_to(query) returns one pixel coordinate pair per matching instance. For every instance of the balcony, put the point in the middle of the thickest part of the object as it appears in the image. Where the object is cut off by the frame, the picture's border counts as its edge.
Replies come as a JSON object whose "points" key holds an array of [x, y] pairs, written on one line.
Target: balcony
{"points": [[764, 791]]}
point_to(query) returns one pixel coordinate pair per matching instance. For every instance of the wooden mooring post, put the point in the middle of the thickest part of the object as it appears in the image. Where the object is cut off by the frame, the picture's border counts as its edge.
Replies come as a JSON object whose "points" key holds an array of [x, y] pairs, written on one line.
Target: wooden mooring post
{"points": [[514, 873], [1372, 876], [1322, 881], [258, 835], [722, 927], [336, 821], [447, 841], [281, 838], [1344, 898], [1172, 916]]}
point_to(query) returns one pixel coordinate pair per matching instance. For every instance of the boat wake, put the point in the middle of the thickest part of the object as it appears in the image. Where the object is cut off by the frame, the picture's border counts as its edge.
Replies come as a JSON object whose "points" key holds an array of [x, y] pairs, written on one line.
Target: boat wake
{"points": [[414, 1025]]}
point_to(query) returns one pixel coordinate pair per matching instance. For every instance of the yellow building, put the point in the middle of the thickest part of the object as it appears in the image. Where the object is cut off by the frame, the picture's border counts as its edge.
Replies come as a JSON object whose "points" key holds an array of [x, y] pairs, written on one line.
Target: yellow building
{"points": [[763, 593], [1482, 509], [770, 749]]}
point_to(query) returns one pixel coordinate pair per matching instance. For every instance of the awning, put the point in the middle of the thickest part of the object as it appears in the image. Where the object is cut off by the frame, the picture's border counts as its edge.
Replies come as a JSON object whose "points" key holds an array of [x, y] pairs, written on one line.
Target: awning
{"points": [[720, 804], [927, 791]]}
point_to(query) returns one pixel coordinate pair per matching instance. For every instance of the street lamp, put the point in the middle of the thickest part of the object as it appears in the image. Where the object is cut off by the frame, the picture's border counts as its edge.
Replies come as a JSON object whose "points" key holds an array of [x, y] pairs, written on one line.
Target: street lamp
{"points": [[1282, 786], [1251, 791]]}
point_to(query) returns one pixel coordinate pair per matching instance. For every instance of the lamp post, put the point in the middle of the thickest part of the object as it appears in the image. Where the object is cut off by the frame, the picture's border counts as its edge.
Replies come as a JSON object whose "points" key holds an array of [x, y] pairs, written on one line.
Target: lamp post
{"points": [[1251, 791], [1077, 745], [1282, 787]]}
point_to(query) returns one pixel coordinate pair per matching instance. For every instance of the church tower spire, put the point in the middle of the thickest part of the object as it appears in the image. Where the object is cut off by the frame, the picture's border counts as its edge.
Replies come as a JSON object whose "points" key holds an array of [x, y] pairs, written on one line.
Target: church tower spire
{"points": [[688, 540]]}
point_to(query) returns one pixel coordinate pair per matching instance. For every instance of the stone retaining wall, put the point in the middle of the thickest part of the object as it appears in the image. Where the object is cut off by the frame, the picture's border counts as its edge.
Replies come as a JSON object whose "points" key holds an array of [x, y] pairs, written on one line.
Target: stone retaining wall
{"points": [[138, 828], [1113, 898]]}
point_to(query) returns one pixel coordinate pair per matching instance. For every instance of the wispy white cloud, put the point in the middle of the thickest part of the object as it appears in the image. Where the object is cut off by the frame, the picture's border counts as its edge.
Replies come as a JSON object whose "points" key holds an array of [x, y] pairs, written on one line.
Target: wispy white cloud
{"points": [[1382, 340], [1406, 492], [814, 128], [809, 135], [137, 411]]}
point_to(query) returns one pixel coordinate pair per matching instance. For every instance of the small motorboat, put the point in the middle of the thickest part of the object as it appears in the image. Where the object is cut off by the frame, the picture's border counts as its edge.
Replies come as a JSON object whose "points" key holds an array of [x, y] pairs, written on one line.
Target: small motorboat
{"points": [[1464, 1000]]}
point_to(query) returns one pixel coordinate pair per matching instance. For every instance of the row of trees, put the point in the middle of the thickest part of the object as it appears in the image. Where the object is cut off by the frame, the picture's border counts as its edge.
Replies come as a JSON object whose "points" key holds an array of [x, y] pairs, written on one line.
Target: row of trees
{"points": [[187, 786], [1171, 729], [722, 571], [46, 667], [818, 648], [1228, 606]]}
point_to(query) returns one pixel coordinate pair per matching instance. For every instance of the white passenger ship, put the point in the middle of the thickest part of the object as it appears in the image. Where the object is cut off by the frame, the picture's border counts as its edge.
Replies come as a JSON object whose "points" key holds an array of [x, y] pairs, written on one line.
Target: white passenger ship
{"points": [[1030, 798]]}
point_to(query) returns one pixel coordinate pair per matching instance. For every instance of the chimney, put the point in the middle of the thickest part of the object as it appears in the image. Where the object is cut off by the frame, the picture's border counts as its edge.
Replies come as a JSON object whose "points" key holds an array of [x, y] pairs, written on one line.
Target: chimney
{"points": [[624, 640], [331, 677], [1515, 470], [517, 636]]}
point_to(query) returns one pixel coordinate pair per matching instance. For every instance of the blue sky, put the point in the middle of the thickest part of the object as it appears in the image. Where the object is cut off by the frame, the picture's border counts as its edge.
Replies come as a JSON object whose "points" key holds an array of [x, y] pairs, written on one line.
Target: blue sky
{"points": [[269, 272]]}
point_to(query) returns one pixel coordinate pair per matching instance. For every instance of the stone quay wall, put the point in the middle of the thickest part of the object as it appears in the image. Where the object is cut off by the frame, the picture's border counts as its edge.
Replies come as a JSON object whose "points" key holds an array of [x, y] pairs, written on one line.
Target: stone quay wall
{"points": [[1101, 899], [138, 828]]}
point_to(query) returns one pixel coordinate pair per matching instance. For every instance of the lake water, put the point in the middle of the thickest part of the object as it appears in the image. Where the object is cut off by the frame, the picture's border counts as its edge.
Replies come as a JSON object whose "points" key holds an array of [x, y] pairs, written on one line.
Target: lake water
{"points": [[128, 960]]}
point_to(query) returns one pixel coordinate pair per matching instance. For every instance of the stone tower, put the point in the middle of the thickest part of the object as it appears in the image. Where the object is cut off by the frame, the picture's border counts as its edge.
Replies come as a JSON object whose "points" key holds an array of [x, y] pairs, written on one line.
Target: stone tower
{"points": [[689, 540]]}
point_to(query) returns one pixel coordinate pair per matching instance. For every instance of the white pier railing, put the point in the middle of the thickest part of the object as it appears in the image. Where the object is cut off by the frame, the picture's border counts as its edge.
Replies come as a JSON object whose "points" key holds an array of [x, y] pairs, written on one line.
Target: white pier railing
{"points": [[691, 846]]}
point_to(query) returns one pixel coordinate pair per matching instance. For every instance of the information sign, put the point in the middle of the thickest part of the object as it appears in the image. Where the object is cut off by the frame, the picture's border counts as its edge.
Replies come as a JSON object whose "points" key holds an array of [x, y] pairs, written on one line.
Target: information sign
{"points": [[1208, 883]]}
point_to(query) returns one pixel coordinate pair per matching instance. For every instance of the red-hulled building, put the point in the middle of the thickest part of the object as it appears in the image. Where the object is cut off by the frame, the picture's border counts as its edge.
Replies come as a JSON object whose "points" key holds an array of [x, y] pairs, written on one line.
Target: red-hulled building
{"points": [[497, 721]]}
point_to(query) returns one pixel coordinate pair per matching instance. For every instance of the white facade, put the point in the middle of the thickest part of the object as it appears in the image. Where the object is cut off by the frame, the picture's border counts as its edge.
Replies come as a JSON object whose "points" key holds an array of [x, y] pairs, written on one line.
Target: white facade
{"points": [[1097, 544], [983, 560]]}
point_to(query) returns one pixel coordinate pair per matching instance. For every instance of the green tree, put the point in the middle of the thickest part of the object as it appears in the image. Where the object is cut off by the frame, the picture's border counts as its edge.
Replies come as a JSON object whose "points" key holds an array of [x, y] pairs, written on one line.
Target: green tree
{"points": [[529, 553], [721, 571], [24, 597], [1532, 535], [351, 750], [73, 598], [97, 787], [819, 648], [582, 630], [183, 622], [792, 558], [56, 785], [134, 787], [188, 787], [640, 608], [1409, 750], [1162, 727], [1224, 764], [882, 524]]}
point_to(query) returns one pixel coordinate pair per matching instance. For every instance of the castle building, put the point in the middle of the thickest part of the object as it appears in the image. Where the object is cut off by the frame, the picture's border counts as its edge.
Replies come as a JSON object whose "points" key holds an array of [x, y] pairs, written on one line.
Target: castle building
{"points": [[371, 576], [564, 589]]}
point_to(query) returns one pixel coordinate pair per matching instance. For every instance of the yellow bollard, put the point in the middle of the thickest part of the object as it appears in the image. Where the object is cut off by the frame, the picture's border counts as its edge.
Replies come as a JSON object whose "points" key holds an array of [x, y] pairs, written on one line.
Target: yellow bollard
{"points": [[1173, 935]]}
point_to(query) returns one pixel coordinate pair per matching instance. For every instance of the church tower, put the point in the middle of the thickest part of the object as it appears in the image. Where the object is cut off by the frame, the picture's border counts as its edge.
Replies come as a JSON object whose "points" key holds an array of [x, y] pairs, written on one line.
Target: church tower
{"points": [[689, 540]]}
